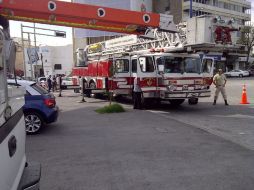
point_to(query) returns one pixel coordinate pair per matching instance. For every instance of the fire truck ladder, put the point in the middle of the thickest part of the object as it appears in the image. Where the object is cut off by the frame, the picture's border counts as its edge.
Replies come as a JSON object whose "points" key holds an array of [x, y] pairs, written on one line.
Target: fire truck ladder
{"points": [[84, 16], [152, 40]]}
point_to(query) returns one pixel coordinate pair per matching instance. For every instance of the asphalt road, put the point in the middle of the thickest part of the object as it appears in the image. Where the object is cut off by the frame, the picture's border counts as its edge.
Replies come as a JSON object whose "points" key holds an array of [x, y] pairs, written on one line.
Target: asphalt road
{"points": [[200, 147]]}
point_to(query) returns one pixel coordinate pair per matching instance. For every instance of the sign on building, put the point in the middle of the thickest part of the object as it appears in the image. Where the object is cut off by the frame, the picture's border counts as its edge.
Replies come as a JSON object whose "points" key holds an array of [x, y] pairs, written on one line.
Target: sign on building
{"points": [[32, 55]]}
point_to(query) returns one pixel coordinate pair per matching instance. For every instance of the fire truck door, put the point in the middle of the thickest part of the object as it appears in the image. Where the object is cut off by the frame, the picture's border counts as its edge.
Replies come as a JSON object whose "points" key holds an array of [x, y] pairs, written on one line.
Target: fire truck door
{"points": [[208, 69], [122, 75], [146, 73]]}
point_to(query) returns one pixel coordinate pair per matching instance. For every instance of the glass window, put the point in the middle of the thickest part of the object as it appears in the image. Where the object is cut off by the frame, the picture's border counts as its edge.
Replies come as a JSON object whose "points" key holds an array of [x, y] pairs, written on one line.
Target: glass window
{"points": [[39, 89], [57, 66], [207, 65], [180, 64], [146, 64], [134, 65], [192, 65], [122, 65]]}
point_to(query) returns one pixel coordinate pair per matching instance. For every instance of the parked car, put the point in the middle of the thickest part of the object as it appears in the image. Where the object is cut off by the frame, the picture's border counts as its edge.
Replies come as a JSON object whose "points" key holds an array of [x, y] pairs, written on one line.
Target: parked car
{"points": [[69, 82], [42, 81], [237, 73], [40, 106]]}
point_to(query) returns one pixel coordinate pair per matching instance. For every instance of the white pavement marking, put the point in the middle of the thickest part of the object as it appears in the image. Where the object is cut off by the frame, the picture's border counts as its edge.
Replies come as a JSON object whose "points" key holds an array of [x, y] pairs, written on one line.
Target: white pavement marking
{"points": [[157, 111], [238, 116]]}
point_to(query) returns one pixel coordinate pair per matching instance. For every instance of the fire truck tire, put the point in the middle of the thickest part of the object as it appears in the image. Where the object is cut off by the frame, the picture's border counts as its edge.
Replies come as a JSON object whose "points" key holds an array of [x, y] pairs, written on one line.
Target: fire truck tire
{"points": [[92, 85], [193, 101], [176, 102]]}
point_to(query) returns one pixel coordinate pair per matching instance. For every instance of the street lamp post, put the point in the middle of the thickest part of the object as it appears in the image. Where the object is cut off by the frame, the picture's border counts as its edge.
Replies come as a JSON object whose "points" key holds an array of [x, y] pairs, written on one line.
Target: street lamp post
{"points": [[42, 65], [191, 13]]}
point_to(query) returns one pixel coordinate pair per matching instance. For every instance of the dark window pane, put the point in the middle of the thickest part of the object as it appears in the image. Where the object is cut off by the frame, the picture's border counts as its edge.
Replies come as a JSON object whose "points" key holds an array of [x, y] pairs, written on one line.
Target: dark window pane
{"points": [[122, 65], [134, 65], [57, 66]]}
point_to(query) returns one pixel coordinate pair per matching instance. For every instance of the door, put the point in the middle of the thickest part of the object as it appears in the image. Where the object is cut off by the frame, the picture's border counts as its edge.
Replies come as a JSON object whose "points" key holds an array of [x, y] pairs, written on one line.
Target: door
{"points": [[12, 131], [208, 69], [147, 75], [122, 76]]}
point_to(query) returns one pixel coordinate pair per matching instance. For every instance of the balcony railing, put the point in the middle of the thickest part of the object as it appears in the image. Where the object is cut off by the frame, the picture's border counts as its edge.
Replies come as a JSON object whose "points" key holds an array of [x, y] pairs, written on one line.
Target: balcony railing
{"points": [[217, 11]]}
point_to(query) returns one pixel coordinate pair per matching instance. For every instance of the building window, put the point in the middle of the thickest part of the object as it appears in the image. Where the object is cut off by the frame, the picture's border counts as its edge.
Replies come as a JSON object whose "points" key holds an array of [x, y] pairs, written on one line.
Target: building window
{"points": [[58, 66]]}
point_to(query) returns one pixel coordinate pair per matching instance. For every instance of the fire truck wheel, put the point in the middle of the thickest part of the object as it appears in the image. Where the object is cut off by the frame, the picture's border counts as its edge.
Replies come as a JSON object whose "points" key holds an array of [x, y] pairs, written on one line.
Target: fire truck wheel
{"points": [[193, 101], [176, 102], [92, 85]]}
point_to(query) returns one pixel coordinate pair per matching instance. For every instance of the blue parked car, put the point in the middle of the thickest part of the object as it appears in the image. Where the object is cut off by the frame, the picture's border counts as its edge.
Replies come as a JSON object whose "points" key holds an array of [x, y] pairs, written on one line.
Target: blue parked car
{"points": [[40, 106]]}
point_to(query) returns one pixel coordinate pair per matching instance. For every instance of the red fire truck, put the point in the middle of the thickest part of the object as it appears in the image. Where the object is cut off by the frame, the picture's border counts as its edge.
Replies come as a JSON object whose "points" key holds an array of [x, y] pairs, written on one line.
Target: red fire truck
{"points": [[164, 72]]}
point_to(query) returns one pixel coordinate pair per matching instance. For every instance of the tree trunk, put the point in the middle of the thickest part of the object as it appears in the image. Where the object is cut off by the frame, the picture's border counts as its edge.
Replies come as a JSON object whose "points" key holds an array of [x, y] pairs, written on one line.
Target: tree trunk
{"points": [[248, 57]]}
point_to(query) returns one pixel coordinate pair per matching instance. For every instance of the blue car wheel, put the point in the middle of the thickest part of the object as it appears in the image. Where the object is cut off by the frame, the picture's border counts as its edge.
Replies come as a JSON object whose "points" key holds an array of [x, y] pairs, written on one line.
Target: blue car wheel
{"points": [[33, 122]]}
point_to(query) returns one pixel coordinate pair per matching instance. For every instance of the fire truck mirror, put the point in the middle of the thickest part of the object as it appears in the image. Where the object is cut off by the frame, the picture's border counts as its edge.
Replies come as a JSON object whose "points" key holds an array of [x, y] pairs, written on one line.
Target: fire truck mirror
{"points": [[161, 68]]}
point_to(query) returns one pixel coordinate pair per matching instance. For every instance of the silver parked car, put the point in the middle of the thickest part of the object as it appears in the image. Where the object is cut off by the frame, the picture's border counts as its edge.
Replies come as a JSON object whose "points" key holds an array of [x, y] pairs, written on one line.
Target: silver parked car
{"points": [[237, 73]]}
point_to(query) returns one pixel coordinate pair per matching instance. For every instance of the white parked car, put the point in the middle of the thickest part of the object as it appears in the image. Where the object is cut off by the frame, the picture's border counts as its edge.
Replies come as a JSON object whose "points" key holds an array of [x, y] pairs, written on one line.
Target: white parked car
{"points": [[42, 81], [237, 73]]}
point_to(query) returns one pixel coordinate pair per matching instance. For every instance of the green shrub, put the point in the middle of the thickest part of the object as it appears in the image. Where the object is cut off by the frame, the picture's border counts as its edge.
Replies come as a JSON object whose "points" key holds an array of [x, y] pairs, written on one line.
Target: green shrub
{"points": [[113, 108]]}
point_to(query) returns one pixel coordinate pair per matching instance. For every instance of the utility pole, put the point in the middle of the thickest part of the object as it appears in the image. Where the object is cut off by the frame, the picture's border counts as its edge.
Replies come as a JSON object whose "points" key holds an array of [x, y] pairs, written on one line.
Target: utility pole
{"points": [[23, 48], [31, 63], [191, 13], [42, 65], [35, 73]]}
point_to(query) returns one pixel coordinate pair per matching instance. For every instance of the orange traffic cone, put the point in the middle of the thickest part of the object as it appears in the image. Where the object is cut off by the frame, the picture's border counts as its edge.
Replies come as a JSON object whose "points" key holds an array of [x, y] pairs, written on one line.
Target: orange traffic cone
{"points": [[244, 96]]}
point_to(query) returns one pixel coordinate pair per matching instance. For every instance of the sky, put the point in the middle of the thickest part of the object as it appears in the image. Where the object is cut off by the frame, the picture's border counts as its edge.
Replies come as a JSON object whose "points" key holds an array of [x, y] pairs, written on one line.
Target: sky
{"points": [[15, 28]]}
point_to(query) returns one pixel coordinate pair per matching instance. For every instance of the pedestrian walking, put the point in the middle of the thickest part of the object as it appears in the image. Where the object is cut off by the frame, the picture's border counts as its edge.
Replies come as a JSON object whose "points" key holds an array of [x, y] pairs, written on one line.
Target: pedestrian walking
{"points": [[137, 95], [54, 84], [219, 80], [49, 82]]}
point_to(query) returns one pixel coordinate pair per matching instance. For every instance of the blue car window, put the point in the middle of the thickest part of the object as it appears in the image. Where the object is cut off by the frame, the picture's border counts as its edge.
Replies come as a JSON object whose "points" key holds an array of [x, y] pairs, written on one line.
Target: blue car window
{"points": [[39, 89]]}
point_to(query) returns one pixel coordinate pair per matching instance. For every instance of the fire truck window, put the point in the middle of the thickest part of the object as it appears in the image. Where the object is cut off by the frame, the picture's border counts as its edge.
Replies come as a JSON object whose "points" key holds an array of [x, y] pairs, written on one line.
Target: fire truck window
{"points": [[122, 65], [207, 65], [146, 64], [134, 65], [173, 64], [192, 65]]}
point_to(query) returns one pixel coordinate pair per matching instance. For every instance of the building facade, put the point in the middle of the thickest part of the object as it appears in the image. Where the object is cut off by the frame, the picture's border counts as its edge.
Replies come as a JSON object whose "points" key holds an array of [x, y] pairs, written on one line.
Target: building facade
{"points": [[239, 10], [55, 60]]}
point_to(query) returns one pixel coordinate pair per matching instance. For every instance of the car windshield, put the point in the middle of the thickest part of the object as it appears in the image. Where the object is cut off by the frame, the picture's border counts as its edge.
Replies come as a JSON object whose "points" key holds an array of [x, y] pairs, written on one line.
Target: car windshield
{"points": [[39, 89], [42, 79], [180, 64], [67, 79]]}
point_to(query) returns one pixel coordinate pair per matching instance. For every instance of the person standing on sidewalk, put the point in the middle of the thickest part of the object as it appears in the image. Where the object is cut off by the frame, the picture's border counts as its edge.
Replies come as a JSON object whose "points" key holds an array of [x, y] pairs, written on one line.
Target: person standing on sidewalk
{"points": [[219, 80], [49, 82], [137, 93]]}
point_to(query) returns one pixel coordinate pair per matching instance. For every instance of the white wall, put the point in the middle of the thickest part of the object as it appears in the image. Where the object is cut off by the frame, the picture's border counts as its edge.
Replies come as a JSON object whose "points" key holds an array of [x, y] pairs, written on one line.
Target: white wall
{"points": [[54, 55]]}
